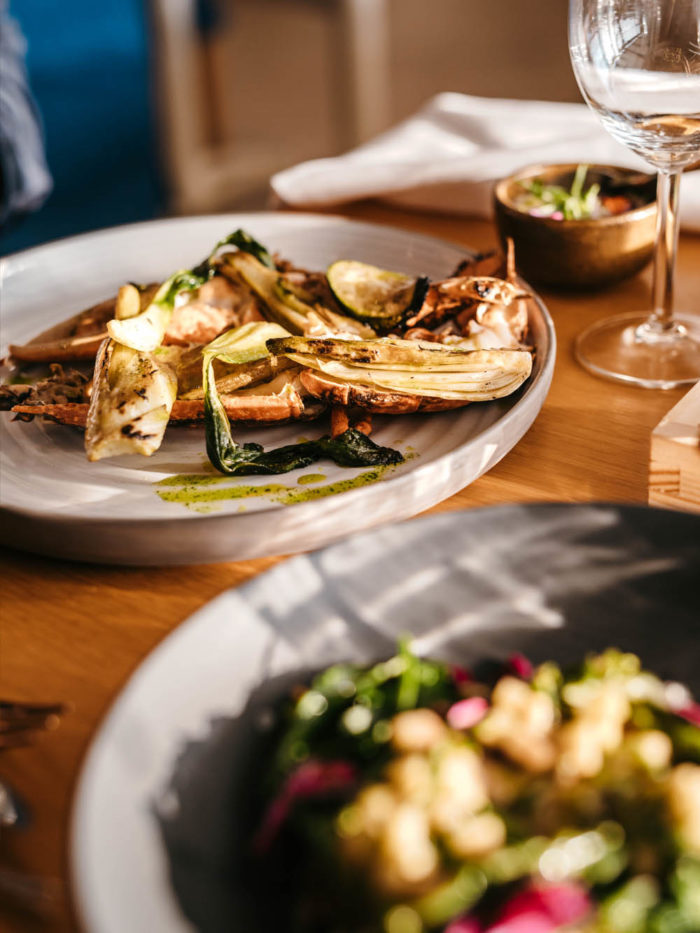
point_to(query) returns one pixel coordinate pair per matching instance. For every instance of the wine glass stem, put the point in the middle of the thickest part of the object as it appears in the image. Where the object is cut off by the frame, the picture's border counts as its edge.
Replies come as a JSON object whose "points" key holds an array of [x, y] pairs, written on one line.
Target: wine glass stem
{"points": [[668, 185]]}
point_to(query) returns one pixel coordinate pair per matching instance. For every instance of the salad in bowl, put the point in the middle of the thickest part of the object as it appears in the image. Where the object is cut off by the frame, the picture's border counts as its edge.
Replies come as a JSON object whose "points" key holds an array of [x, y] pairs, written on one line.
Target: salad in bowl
{"points": [[412, 796]]}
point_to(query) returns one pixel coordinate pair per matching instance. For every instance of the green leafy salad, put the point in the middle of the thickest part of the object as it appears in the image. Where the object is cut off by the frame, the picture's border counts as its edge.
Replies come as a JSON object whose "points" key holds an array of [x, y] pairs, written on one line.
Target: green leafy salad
{"points": [[413, 796]]}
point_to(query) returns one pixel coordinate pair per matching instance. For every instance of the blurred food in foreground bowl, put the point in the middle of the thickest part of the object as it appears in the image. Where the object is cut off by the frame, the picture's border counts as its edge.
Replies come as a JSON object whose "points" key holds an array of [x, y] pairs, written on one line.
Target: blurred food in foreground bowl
{"points": [[413, 796], [577, 231]]}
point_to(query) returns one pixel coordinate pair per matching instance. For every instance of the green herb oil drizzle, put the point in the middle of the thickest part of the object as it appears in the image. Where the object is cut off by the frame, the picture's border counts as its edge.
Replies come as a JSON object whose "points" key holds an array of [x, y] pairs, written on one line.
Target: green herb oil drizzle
{"points": [[201, 493]]}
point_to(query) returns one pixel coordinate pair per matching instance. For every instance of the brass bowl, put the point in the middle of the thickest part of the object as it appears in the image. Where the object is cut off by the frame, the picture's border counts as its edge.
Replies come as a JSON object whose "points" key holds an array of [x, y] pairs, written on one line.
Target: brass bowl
{"points": [[577, 253]]}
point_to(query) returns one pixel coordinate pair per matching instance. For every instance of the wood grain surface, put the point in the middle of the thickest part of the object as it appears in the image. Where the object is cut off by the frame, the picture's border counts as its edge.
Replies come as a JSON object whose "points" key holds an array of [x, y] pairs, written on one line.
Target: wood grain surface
{"points": [[75, 632]]}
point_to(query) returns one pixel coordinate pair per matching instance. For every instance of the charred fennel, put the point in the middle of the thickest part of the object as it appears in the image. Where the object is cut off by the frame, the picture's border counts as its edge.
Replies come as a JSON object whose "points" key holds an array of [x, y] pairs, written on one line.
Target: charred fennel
{"points": [[287, 304], [242, 345], [413, 367], [131, 401]]}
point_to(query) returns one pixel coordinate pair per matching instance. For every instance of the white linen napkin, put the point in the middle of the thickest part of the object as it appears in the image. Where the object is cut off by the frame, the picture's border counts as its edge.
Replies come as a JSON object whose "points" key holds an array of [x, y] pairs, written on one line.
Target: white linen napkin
{"points": [[447, 157]]}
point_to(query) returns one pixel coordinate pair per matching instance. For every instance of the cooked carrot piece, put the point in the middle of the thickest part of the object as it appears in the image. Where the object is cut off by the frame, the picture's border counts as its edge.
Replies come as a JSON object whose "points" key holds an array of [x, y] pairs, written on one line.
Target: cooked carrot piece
{"points": [[364, 425], [339, 420]]}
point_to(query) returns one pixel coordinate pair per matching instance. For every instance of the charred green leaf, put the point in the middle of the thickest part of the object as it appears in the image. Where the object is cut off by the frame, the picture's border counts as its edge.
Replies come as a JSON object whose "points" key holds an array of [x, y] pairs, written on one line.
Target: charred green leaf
{"points": [[245, 242]]}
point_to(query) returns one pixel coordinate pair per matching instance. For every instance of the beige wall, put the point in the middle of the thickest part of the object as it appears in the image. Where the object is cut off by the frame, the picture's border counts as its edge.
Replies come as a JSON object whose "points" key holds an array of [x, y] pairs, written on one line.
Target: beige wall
{"points": [[275, 92], [492, 48]]}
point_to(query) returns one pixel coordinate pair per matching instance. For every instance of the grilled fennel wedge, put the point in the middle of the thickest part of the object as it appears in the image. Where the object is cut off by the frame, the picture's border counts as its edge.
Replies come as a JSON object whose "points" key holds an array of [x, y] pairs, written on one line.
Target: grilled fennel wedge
{"points": [[131, 401], [285, 303], [412, 367], [247, 344]]}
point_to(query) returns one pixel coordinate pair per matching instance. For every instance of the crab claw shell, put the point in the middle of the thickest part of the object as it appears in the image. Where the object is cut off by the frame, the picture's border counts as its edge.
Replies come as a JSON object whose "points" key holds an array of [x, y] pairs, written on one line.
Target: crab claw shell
{"points": [[461, 294], [511, 320], [267, 409], [484, 288]]}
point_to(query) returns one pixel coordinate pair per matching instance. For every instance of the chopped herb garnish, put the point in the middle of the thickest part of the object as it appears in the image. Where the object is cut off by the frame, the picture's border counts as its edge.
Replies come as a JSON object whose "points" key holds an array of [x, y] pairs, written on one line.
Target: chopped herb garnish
{"points": [[557, 202]]}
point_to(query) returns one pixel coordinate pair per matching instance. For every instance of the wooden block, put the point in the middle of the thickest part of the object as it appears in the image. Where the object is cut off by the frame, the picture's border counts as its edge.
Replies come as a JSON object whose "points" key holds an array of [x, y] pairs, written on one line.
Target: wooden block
{"points": [[674, 473]]}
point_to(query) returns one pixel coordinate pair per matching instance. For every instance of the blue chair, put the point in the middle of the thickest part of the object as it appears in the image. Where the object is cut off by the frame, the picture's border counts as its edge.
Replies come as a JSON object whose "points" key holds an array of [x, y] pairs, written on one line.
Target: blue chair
{"points": [[89, 71]]}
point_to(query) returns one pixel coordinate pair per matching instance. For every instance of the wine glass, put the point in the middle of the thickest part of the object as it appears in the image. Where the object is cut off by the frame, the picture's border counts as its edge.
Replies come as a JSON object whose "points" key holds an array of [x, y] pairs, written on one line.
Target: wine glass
{"points": [[637, 63]]}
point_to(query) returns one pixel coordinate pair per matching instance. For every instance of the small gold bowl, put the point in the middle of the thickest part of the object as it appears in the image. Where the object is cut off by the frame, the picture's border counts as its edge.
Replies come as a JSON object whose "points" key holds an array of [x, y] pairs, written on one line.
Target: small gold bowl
{"points": [[577, 253]]}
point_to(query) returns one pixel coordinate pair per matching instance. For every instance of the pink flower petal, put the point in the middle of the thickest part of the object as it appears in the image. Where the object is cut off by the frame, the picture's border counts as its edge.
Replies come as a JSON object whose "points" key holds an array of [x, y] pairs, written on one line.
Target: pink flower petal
{"points": [[275, 817], [691, 713], [467, 713], [526, 923], [544, 907], [464, 925], [537, 909], [460, 675], [521, 666], [317, 777], [311, 779]]}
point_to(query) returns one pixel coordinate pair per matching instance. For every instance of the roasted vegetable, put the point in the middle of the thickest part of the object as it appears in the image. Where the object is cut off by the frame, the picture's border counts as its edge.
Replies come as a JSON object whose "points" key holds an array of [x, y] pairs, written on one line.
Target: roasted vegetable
{"points": [[284, 304], [237, 377], [251, 406], [350, 449], [412, 366], [373, 295], [131, 402], [79, 337], [132, 299], [380, 353], [245, 242], [59, 351], [245, 345], [145, 330]]}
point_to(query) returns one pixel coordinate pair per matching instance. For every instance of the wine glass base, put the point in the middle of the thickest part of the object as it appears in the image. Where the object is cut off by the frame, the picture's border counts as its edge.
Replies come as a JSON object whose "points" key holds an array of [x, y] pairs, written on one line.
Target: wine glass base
{"points": [[628, 348]]}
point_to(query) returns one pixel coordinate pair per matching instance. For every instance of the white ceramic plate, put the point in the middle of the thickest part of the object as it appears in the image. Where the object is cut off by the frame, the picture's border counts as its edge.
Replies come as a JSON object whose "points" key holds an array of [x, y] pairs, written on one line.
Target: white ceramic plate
{"points": [[157, 806], [128, 509]]}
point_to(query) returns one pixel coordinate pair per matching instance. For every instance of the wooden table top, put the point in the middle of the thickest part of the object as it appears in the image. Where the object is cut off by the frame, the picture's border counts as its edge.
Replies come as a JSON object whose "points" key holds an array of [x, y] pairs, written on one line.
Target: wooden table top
{"points": [[75, 632]]}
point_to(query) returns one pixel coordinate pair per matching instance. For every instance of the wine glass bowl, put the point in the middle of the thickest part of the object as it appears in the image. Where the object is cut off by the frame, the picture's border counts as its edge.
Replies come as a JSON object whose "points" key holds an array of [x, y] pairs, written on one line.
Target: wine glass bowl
{"points": [[637, 63], [642, 77]]}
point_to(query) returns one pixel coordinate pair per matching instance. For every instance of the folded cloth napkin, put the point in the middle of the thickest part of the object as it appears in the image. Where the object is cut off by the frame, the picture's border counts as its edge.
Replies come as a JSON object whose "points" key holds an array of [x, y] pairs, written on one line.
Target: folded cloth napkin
{"points": [[448, 155]]}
